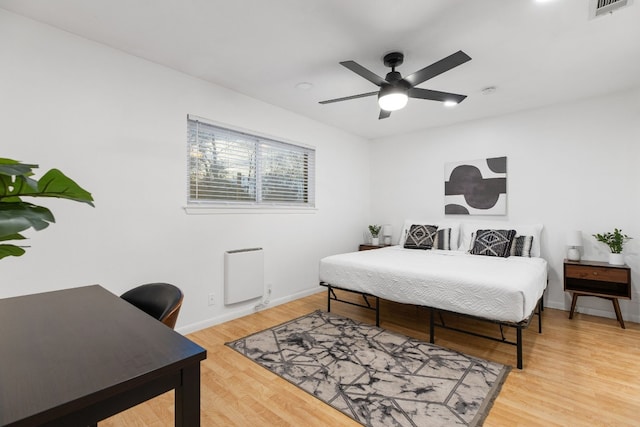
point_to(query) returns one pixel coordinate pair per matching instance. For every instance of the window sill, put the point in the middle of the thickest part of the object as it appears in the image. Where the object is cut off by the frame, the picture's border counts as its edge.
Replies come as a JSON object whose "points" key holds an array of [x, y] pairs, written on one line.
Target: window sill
{"points": [[222, 210]]}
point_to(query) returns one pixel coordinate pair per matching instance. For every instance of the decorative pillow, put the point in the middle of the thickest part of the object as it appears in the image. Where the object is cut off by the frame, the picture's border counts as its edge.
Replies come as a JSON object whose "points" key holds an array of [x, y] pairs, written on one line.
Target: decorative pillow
{"points": [[443, 239], [521, 246], [442, 223], [420, 236], [466, 241], [493, 242], [473, 240]]}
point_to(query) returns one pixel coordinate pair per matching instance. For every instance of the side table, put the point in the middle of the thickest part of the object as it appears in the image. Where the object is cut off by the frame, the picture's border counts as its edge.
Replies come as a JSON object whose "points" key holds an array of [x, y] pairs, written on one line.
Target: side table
{"points": [[368, 247], [597, 279]]}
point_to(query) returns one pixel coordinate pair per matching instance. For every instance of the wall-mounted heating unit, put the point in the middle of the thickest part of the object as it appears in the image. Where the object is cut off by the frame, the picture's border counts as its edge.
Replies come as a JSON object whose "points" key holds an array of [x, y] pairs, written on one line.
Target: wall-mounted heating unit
{"points": [[243, 275]]}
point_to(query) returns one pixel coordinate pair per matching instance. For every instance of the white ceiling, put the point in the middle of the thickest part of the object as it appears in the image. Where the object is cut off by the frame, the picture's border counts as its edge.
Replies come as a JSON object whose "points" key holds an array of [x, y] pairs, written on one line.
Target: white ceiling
{"points": [[534, 53]]}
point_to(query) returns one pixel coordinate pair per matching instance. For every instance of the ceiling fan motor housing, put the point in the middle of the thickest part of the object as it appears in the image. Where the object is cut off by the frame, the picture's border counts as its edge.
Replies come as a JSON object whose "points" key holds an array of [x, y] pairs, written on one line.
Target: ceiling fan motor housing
{"points": [[393, 76]]}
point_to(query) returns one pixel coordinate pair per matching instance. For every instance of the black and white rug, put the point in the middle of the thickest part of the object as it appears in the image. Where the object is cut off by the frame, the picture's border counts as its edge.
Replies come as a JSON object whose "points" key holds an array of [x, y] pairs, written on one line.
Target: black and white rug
{"points": [[377, 377]]}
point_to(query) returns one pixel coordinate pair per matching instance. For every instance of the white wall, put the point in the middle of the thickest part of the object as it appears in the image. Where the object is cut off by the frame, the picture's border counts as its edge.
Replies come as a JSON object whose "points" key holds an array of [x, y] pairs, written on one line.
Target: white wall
{"points": [[570, 167], [117, 125]]}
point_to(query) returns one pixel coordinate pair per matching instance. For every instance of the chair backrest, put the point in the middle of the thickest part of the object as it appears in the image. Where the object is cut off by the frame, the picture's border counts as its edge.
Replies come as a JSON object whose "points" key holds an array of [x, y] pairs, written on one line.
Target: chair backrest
{"points": [[159, 300]]}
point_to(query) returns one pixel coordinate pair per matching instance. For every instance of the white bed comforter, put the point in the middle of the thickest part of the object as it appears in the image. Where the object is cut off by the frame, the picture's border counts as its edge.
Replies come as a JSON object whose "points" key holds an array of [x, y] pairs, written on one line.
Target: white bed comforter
{"points": [[504, 289]]}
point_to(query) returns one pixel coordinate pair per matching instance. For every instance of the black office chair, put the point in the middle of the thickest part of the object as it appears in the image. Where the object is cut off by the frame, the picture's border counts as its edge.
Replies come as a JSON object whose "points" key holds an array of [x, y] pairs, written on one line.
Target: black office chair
{"points": [[159, 300]]}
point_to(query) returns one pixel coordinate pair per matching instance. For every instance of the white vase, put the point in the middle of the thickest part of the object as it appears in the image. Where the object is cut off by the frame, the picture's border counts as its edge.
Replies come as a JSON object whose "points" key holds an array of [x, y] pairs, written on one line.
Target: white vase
{"points": [[616, 259], [375, 241]]}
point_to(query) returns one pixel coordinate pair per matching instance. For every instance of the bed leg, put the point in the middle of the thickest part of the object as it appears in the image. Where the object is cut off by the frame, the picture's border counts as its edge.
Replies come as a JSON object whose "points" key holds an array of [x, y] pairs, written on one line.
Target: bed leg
{"points": [[328, 299], [540, 317], [432, 325], [519, 346], [377, 311]]}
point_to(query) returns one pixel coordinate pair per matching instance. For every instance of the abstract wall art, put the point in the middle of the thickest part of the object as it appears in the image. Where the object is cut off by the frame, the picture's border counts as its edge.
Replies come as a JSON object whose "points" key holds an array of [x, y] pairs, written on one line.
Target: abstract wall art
{"points": [[476, 187]]}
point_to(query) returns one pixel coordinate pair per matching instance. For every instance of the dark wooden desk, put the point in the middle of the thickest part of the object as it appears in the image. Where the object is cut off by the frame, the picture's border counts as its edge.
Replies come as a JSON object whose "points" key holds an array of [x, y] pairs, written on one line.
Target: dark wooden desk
{"points": [[77, 356]]}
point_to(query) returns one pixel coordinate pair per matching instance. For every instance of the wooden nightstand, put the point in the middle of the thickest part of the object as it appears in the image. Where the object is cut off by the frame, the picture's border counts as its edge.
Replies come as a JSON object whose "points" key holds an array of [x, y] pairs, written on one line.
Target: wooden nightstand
{"points": [[597, 279], [368, 247]]}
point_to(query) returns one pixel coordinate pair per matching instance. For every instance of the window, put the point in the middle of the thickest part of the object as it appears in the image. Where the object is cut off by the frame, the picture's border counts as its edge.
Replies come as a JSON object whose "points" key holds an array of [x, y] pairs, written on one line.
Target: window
{"points": [[229, 168]]}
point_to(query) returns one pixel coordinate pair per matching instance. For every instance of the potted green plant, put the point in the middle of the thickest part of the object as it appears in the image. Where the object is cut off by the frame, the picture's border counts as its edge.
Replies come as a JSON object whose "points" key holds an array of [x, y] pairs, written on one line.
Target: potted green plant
{"points": [[16, 215], [615, 241], [375, 232]]}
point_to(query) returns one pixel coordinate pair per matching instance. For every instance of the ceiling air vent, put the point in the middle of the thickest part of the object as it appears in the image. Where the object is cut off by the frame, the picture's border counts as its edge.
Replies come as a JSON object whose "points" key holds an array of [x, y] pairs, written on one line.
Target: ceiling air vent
{"points": [[602, 7]]}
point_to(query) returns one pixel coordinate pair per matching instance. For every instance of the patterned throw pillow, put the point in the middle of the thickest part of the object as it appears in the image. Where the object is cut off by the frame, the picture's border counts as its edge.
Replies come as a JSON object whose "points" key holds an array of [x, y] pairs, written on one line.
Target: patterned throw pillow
{"points": [[443, 239], [493, 242], [420, 236], [521, 246]]}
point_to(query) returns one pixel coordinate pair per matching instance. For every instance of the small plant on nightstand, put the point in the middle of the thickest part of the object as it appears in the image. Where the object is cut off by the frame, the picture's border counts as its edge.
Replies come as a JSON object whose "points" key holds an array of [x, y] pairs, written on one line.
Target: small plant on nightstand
{"points": [[615, 241], [375, 232]]}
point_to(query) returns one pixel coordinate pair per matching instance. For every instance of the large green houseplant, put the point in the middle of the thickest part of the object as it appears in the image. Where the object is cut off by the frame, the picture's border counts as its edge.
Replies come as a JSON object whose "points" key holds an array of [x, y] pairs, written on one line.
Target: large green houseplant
{"points": [[16, 215]]}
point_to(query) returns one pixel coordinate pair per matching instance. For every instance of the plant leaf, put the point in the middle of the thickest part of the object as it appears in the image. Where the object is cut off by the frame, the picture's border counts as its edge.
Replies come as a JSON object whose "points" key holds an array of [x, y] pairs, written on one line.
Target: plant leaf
{"points": [[52, 184], [14, 175], [15, 236], [18, 216], [10, 250], [11, 189], [14, 168], [56, 184]]}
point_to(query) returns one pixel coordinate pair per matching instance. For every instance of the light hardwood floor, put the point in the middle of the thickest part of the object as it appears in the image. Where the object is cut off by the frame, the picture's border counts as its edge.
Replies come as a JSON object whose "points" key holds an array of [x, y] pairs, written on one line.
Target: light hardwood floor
{"points": [[580, 372]]}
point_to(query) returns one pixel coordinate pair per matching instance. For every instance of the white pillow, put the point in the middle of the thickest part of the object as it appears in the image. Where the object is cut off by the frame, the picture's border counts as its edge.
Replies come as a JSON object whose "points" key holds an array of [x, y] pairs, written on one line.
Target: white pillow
{"points": [[453, 225], [534, 230]]}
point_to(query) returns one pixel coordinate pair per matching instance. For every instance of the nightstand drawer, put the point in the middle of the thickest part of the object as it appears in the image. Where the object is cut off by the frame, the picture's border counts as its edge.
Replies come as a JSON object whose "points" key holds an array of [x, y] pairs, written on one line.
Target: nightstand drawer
{"points": [[616, 275]]}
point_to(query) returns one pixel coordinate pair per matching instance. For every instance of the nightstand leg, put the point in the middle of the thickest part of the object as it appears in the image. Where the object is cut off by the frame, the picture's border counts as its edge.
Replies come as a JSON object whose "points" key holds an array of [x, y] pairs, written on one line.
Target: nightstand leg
{"points": [[616, 307], [574, 299]]}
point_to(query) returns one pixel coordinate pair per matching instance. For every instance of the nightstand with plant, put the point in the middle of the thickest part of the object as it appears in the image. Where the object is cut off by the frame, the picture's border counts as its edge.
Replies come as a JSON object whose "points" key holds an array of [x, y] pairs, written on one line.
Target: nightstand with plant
{"points": [[600, 279], [375, 233]]}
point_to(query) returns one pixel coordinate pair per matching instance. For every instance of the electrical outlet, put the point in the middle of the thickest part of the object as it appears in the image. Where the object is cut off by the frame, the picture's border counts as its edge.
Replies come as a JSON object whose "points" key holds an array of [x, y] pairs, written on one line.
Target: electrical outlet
{"points": [[212, 299]]}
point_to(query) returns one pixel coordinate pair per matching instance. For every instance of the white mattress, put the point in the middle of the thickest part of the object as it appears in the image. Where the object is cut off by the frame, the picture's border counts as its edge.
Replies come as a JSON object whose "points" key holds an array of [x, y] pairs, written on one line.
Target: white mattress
{"points": [[504, 289]]}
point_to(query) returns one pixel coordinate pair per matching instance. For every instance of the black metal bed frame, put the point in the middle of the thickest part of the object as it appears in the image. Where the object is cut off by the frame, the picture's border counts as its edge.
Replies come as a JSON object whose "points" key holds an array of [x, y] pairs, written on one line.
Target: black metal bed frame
{"points": [[519, 326]]}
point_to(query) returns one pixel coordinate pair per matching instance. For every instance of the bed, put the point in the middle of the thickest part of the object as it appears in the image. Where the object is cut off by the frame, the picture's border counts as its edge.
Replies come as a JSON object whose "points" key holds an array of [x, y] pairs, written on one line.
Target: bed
{"points": [[506, 290]]}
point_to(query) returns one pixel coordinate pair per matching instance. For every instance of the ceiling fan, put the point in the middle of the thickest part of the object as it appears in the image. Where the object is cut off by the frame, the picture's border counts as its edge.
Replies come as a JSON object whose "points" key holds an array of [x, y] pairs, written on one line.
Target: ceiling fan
{"points": [[396, 90]]}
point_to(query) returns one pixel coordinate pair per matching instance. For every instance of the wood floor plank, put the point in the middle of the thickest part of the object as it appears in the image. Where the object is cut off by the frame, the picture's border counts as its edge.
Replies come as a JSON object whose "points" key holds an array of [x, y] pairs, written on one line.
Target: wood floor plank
{"points": [[579, 372]]}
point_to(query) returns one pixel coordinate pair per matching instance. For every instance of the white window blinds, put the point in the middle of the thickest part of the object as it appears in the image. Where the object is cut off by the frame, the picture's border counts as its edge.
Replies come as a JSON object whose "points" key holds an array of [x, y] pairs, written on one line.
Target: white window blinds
{"points": [[228, 167]]}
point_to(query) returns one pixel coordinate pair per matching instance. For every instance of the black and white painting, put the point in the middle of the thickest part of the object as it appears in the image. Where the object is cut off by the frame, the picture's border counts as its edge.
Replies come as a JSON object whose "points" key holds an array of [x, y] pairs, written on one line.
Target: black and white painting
{"points": [[476, 187]]}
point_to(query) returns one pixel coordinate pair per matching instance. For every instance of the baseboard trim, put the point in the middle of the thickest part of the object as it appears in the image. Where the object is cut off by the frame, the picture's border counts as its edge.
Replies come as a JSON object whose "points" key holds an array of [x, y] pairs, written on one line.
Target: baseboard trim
{"points": [[244, 311]]}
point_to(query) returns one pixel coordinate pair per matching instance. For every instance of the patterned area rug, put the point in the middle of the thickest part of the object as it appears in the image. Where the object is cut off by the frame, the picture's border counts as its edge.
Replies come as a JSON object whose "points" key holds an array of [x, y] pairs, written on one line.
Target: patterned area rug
{"points": [[377, 377]]}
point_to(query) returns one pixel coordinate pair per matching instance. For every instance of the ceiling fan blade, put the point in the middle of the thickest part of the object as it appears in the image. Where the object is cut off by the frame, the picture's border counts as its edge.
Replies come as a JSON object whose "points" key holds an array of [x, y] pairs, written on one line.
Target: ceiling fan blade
{"points": [[437, 68], [384, 114], [346, 98], [363, 72], [435, 95]]}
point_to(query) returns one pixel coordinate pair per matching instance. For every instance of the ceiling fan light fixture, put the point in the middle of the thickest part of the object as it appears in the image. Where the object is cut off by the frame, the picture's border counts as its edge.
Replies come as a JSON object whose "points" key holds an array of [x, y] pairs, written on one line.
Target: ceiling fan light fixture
{"points": [[392, 98], [395, 90], [450, 103]]}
